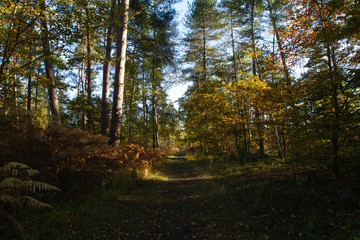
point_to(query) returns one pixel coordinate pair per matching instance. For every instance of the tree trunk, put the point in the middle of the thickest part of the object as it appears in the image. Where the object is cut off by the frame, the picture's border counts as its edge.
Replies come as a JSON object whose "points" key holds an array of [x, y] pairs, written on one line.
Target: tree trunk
{"points": [[204, 54], [233, 46], [258, 114], [132, 99], [155, 123], [334, 84], [106, 74], [83, 93], [89, 121], [49, 69], [29, 90], [279, 43], [36, 94], [145, 112], [117, 112]]}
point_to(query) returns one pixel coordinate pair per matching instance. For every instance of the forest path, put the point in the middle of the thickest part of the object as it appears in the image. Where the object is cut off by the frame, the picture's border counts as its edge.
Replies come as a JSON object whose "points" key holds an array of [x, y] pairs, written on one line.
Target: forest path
{"points": [[183, 201], [181, 205]]}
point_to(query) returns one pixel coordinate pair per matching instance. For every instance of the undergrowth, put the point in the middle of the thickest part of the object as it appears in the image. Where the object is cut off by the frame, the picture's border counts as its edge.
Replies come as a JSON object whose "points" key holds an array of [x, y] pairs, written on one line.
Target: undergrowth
{"points": [[277, 200], [89, 173]]}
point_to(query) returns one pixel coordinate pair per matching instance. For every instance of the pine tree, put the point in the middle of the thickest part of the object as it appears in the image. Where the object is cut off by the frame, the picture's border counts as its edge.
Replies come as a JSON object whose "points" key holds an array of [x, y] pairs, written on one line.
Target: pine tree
{"points": [[204, 23]]}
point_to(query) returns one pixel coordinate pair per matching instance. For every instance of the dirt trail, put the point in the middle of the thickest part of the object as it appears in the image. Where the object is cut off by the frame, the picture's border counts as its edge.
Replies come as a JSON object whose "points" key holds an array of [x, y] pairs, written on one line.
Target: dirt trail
{"points": [[181, 204], [174, 208]]}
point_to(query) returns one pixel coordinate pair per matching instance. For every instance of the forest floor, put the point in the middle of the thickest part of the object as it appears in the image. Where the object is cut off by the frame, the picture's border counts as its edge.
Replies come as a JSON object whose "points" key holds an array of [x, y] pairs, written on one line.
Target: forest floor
{"points": [[213, 200], [195, 200]]}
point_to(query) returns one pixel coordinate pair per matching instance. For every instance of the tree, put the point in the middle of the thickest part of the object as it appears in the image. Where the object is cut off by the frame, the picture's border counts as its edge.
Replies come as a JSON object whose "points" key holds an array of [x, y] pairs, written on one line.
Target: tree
{"points": [[204, 23], [49, 69], [121, 44], [327, 84], [106, 71]]}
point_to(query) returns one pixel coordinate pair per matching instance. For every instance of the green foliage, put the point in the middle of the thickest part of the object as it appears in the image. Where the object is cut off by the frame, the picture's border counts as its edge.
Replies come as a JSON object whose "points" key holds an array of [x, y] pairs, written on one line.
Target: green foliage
{"points": [[204, 23], [16, 188], [13, 185]]}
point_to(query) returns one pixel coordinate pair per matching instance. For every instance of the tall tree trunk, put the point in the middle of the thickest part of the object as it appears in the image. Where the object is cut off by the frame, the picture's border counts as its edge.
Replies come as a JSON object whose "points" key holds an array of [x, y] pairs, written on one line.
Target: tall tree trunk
{"points": [[29, 89], [89, 122], [5, 89], [15, 86], [233, 46], [49, 69], [155, 123], [131, 114], [36, 94], [106, 74], [145, 112], [83, 93], [279, 43], [204, 54], [117, 112], [258, 114], [334, 84], [145, 130]]}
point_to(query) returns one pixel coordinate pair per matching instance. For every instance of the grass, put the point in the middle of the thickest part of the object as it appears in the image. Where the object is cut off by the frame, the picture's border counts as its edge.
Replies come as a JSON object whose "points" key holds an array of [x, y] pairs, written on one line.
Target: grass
{"points": [[203, 199], [285, 201]]}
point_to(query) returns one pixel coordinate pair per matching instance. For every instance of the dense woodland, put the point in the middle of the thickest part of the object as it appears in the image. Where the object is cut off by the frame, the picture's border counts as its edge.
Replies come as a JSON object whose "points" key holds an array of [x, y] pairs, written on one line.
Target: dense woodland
{"points": [[83, 90]]}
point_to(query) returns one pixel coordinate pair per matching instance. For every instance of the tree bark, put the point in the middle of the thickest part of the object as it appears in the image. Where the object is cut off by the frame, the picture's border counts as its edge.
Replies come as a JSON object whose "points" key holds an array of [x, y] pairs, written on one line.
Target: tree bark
{"points": [[30, 83], [279, 43], [131, 103], [117, 110], [204, 53], [145, 112], [49, 69], [155, 123], [258, 114], [106, 74], [233, 46]]}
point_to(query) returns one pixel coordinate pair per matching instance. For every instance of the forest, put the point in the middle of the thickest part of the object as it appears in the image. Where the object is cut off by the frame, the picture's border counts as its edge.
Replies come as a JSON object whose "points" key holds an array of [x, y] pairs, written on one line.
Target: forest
{"points": [[264, 144]]}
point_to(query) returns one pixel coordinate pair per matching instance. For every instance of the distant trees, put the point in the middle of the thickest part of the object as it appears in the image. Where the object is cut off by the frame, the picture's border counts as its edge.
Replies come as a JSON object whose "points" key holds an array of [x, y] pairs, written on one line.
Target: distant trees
{"points": [[205, 24], [62, 45], [266, 104]]}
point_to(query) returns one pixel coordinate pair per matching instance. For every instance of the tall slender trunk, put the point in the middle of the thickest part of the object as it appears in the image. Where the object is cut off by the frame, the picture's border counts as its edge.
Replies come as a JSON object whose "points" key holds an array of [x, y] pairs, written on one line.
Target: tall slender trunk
{"points": [[30, 83], [15, 86], [145, 129], [258, 113], [131, 114], [106, 74], [154, 110], [89, 122], [117, 110], [336, 109], [36, 95], [155, 123], [334, 84], [233, 46], [5, 89], [204, 53], [246, 150], [49, 69], [83, 92], [145, 111], [279, 43]]}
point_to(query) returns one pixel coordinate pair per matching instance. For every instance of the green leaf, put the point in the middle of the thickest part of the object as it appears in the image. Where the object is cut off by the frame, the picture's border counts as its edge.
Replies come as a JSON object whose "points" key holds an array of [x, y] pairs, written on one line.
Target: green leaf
{"points": [[34, 203]]}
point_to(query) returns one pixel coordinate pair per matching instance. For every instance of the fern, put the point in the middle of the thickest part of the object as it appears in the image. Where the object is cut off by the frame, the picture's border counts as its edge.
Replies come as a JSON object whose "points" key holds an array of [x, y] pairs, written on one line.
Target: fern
{"points": [[12, 182], [9, 200], [34, 203], [15, 185], [34, 186], [14, 168]]}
